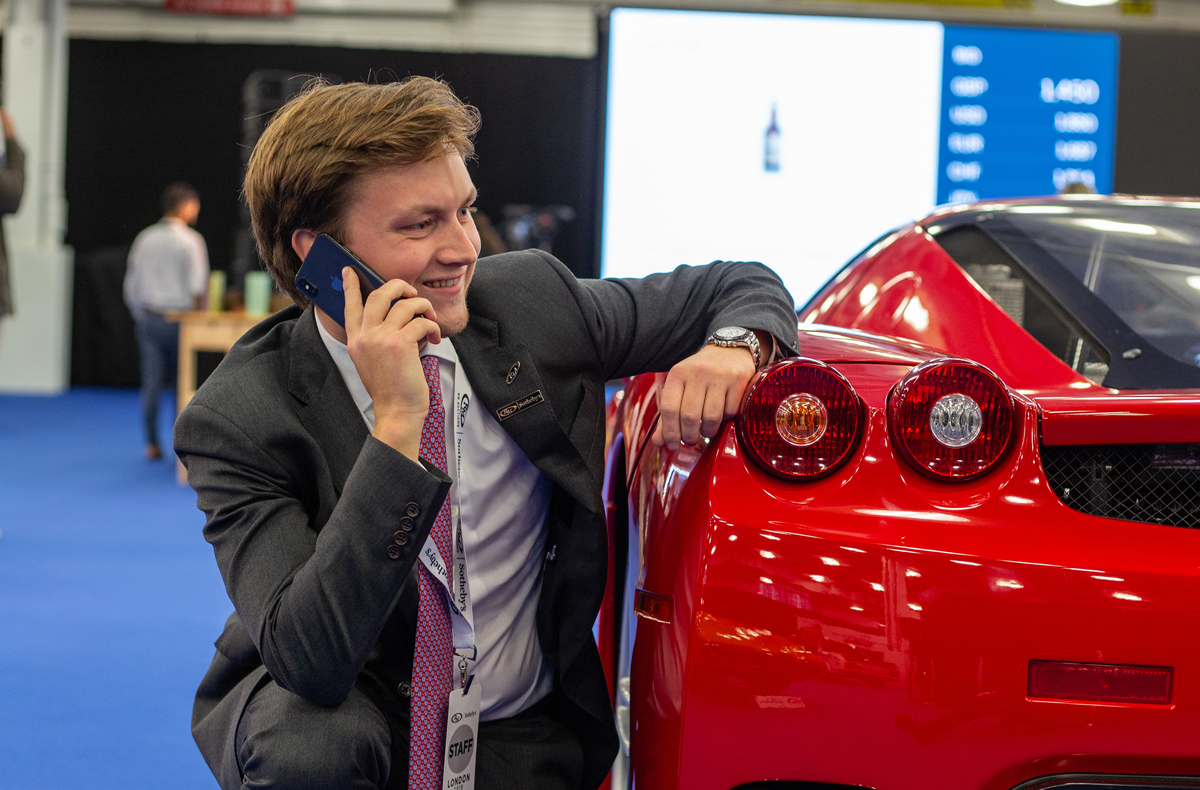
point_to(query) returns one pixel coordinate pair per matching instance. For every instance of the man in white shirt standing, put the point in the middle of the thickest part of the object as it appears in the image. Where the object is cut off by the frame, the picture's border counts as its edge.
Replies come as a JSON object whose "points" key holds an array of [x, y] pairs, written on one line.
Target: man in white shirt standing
{"points": [[167, 270], [406, 508]]}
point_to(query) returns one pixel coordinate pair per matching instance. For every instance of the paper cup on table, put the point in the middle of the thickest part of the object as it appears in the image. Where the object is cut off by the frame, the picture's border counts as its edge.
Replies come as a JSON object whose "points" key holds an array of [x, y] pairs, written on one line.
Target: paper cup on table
{"points": [[258, 293]]}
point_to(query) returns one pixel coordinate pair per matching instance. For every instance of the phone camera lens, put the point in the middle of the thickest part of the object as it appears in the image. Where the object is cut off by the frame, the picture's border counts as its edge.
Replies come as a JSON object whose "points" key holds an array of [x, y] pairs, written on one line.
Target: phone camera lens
{"points": [[308, 287]]}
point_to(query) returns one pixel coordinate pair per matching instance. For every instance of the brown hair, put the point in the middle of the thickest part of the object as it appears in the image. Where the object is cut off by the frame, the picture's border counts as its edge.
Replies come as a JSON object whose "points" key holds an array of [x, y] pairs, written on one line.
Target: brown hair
{"points": [[302, 166]]}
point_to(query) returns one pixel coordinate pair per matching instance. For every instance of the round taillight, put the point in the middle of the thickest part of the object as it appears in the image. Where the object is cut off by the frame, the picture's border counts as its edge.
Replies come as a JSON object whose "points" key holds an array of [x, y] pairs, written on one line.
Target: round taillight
{"points": [[800, 419], [951, 419]]}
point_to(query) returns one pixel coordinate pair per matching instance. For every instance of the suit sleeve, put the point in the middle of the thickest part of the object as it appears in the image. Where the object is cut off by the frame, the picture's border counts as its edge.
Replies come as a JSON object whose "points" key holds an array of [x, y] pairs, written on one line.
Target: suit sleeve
{"points": [[649, 324], [314, 602], [12, 177]]}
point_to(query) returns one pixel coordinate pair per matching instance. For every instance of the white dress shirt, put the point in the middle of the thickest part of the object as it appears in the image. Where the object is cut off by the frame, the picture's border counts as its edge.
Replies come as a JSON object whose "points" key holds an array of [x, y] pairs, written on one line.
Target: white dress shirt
{"points": [[503, 509], [168, 268]]}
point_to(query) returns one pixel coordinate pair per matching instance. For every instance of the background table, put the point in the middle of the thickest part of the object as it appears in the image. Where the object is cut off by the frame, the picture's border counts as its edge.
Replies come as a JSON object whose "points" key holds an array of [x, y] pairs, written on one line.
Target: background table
{"points": [[203, 331]]}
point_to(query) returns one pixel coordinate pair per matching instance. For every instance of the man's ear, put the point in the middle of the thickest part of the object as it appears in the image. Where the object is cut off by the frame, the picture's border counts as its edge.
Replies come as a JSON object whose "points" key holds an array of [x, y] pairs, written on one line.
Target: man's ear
{"points": [[302, 241]]}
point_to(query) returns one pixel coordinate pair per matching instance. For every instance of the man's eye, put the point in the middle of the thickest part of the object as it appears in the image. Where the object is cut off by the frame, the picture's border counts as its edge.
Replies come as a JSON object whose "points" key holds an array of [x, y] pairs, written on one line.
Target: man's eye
{"points": [[423, 225], [467, 211]]}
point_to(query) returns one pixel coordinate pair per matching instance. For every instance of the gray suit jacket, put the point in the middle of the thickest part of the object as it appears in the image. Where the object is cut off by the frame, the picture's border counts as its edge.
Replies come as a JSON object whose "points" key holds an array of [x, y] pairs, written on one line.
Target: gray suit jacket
{"points": [[303, 504]]}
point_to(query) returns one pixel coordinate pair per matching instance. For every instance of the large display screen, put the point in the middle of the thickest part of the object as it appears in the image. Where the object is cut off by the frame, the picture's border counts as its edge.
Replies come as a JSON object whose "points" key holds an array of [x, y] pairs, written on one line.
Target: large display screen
{"points": [[798, 140], [1025, 112]]}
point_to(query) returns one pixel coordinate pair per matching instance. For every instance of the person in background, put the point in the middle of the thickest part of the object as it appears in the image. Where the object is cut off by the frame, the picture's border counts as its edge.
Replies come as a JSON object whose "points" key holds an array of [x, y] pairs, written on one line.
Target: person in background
{"points": [[168, 270], [12, 187], [1076, 188]]}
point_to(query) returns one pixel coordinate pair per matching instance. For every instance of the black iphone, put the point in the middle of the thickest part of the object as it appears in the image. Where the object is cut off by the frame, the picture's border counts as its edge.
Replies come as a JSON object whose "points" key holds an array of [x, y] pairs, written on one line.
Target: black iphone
{"points": [[320, 277]]}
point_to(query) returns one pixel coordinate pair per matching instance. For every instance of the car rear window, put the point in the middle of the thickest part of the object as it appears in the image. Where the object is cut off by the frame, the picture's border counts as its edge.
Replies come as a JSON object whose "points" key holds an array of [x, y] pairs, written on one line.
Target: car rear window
{"points": [[991, 267], [1143, 261]]}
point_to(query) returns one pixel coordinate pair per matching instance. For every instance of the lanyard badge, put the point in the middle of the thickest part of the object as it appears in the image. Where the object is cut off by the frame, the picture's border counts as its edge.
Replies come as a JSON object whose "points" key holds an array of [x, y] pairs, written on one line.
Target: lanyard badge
{"points": [[464, 703], [453, 575], [462, 737]]}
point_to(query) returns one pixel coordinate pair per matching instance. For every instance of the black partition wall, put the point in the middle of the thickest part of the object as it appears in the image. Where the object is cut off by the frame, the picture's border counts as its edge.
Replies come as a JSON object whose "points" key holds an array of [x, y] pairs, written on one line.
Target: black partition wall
{"points": [[142, 114], [1158, 115]]}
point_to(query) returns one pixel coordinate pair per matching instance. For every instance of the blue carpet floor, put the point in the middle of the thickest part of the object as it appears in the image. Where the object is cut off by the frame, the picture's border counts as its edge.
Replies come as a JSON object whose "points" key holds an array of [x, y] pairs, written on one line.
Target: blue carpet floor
{"points": [[109, 600]]}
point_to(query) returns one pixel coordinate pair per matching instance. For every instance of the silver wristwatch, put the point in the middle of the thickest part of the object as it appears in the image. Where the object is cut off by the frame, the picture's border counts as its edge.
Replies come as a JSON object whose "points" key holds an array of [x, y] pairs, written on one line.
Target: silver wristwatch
{"points": [[732, 336]]}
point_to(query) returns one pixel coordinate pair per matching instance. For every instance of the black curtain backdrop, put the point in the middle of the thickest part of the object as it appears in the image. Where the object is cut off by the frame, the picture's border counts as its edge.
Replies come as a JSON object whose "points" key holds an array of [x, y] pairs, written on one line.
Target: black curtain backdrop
{"points": [[142, 114], [1158, 115]]}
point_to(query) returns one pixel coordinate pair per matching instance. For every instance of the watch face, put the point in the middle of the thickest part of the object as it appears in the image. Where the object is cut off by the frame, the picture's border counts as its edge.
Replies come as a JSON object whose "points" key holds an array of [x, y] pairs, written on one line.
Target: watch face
{"points": [[729, 333]]}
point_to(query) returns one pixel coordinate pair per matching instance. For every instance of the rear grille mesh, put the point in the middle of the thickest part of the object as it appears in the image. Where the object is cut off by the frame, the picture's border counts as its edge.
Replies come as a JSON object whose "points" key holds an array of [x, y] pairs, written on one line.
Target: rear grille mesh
{"points": [[1151, 483]]}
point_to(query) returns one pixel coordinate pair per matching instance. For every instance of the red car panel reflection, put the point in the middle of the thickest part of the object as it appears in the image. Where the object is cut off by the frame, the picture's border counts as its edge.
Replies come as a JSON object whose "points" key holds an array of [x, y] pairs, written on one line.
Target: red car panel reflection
{"points": [[879, 626]]}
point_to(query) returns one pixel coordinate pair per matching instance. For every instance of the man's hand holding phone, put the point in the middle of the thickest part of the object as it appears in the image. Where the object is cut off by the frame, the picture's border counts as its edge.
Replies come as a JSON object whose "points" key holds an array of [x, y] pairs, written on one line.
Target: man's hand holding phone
{"points": [[385, 335]]}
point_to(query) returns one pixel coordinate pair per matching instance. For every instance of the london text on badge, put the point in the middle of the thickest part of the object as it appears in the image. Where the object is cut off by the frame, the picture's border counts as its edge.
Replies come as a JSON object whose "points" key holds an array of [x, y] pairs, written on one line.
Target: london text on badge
{"points": [[504, 412]]}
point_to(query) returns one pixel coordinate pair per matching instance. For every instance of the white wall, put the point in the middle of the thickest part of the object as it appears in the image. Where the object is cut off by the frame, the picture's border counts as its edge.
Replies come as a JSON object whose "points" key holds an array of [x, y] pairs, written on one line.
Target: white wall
{"points": [[495, 26], [35, 346]]}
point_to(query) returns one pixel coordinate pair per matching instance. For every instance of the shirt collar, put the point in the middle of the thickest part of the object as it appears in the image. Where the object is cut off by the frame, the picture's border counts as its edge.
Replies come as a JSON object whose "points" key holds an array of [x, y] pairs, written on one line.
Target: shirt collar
{"points": [[443, 350], [341, 357]]}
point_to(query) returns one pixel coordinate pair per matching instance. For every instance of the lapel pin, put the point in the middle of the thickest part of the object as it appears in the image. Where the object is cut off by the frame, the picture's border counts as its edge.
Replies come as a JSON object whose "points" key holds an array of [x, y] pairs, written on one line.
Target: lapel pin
{"points": [[517, 406], [512, 373], [464, 402]]}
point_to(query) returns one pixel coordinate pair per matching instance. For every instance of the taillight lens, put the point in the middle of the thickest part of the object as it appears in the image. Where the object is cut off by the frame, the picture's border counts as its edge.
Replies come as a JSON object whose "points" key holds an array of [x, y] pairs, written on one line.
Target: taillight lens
{"points": [[951, 419], [800, 419]]}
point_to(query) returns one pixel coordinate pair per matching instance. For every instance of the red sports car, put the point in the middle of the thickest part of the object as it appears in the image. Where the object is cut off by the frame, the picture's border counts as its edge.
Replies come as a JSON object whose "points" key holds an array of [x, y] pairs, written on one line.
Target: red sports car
{"points": [[954, 545]]}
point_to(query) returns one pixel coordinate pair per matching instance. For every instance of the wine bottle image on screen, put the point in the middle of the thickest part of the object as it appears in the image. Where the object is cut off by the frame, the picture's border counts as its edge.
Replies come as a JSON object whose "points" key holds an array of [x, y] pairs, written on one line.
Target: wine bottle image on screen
{"points": [[771, 146]]}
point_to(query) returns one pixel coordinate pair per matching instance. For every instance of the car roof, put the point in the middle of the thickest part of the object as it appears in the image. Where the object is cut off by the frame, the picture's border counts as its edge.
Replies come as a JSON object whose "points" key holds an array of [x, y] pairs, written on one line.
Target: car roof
{"points": [[1134, 362], [954, 214]]}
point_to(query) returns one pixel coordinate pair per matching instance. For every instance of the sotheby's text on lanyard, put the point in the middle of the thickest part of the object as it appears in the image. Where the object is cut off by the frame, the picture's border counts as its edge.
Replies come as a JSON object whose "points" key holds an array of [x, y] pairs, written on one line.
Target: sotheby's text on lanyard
{"points": [[453, 577]]}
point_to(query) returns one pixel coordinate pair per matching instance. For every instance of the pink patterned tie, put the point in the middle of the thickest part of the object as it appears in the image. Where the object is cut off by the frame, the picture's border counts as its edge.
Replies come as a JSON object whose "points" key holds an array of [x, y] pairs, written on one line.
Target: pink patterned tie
{"points": [[433, 662]]}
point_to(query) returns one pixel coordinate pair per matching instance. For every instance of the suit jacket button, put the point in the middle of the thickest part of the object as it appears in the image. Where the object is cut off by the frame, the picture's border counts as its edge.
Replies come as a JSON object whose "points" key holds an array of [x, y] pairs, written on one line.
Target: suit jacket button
{"points": [[405, 688], [407, 524], [401, 538], [412, 510], [394, 552]]}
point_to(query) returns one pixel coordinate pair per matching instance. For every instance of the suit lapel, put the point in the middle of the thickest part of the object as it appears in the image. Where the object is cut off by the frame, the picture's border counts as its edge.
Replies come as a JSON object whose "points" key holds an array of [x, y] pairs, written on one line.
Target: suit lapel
{"points": [[335, 423], [329, 414], [524, 407]]}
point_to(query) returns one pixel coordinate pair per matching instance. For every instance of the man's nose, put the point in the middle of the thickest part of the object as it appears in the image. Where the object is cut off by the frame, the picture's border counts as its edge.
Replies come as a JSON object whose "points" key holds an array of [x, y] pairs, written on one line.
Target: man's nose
{"points": [[457, 247]]}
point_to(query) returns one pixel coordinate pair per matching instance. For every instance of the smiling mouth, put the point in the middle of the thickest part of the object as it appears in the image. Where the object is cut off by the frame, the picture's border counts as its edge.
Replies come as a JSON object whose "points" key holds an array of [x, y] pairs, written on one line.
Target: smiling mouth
{"points": [[448, 283]]}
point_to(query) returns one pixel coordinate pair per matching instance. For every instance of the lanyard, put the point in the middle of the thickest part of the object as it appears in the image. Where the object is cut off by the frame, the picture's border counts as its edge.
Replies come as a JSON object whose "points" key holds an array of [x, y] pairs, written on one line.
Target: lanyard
{"points": [[454, 578]]}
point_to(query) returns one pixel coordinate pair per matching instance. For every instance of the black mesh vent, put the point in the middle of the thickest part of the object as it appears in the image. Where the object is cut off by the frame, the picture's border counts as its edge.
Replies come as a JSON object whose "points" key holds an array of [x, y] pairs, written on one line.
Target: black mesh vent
{"points": [[1152, 483]]}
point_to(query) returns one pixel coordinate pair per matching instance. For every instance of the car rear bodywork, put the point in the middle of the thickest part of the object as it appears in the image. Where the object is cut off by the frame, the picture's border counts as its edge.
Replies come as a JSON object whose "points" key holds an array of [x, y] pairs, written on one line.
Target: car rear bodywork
{"points": [[879, 628]]}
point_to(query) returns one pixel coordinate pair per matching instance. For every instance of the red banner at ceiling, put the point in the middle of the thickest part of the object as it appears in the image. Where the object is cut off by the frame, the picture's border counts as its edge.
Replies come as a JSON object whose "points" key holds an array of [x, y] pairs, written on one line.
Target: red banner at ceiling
{"points": [[275, 8]]}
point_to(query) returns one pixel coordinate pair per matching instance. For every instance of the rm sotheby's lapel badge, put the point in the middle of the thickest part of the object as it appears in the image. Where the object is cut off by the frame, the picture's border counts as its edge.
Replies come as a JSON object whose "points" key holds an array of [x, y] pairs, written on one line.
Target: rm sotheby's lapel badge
{"points": [[464, 402], [512, 373], [504, 412]]}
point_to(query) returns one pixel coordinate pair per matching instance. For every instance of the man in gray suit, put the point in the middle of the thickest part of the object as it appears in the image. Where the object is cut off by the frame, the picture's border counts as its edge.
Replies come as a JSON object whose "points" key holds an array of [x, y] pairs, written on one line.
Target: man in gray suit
{"points": [[399, 516]]}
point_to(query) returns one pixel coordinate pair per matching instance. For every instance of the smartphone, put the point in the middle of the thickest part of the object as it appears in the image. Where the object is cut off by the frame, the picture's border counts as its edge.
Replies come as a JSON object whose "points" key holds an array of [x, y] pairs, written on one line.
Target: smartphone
{"points": [[320, 276]]}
